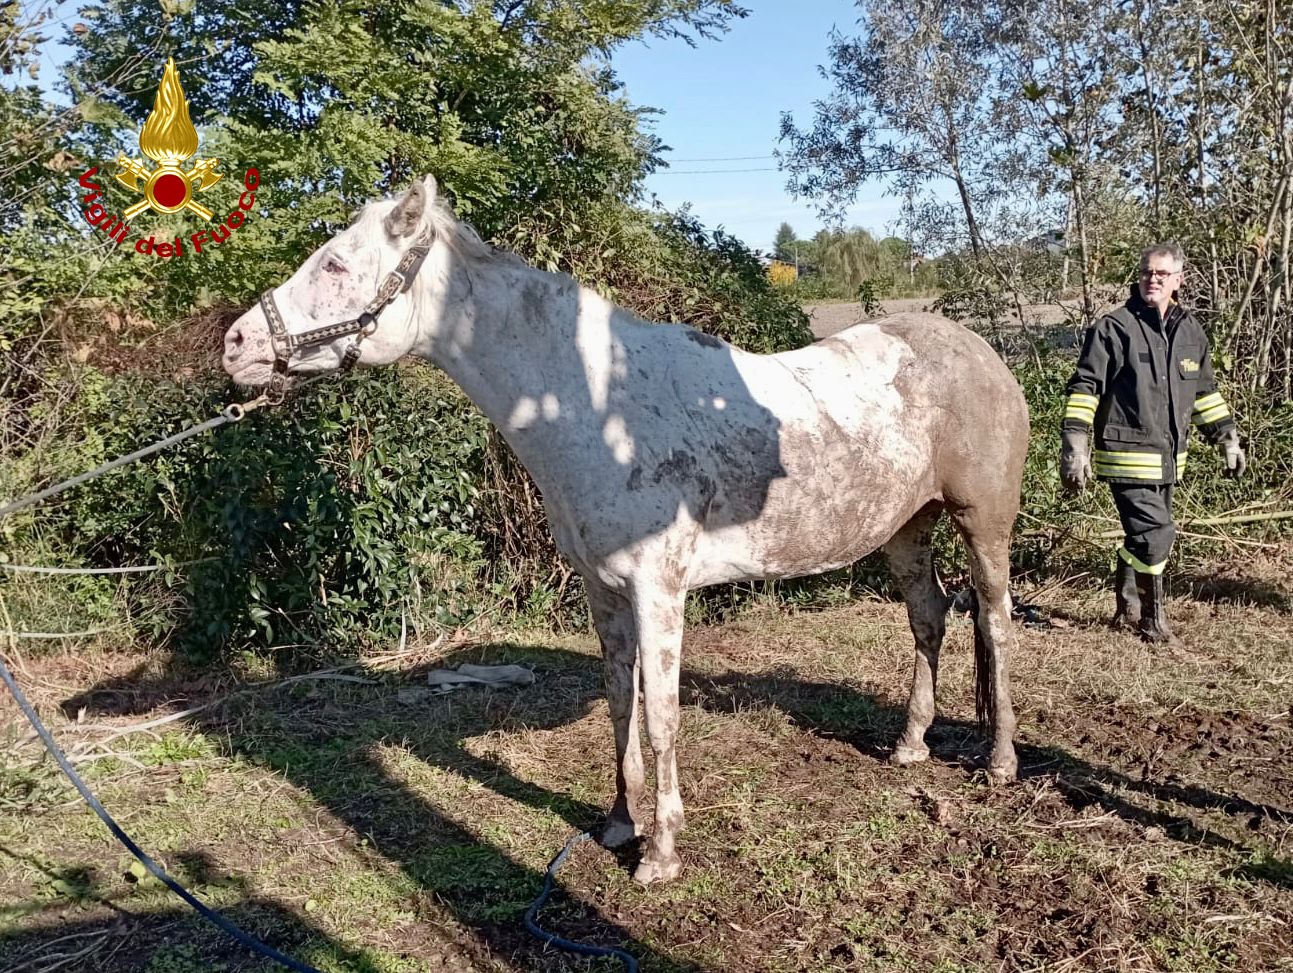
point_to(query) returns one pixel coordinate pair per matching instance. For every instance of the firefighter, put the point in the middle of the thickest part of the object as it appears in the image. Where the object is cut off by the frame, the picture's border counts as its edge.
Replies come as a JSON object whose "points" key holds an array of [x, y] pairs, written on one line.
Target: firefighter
{"points": [[1143, 377]]}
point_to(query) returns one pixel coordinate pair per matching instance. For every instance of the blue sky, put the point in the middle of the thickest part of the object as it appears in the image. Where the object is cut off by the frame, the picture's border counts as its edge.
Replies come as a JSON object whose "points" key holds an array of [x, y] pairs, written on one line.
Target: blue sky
{"points": [[723, 100]]}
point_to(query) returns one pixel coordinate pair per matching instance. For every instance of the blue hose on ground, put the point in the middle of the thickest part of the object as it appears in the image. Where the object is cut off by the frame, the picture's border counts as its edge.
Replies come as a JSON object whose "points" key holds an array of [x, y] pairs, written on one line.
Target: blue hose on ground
{"points": [[531, 925], [215, 918], [269, 952]]}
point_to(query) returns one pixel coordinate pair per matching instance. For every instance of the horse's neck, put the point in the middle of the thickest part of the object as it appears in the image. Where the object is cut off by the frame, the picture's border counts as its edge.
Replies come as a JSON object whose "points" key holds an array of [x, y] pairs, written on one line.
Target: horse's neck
{"points": [[531, 349]]}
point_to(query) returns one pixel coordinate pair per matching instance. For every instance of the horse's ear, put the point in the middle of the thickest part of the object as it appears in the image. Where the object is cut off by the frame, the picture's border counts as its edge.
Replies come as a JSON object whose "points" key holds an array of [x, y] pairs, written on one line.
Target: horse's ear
{"points": [[406, 217]]}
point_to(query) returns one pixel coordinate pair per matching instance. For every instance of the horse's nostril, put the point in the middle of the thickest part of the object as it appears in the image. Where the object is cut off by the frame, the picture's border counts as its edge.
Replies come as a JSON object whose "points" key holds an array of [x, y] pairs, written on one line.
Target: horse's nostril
{"points": [[233, 339]]}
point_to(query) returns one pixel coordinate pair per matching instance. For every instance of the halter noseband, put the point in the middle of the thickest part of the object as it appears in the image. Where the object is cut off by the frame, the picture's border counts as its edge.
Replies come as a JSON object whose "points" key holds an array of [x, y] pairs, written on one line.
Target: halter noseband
{"points": [[286, 345]]}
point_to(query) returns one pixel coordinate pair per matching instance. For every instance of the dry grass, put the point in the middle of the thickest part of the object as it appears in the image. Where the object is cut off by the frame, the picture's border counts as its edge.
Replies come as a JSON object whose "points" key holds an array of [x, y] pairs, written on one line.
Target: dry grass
{"points": [[367, 826]]}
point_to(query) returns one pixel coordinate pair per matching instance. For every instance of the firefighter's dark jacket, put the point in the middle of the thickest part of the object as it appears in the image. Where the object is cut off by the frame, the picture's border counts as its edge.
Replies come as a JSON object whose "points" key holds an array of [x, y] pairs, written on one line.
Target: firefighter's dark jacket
{"points": [[1142, 382]]}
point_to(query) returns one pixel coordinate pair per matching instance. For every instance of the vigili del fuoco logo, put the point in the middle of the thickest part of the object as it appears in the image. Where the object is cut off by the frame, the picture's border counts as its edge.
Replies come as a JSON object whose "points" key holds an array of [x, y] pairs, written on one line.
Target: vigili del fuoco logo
{"points": [[170, 140]]}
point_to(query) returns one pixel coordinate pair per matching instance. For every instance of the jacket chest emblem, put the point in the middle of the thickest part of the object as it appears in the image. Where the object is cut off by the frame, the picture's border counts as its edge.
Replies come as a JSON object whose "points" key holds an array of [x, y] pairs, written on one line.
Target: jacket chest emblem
{"points": [[1189, 365]]}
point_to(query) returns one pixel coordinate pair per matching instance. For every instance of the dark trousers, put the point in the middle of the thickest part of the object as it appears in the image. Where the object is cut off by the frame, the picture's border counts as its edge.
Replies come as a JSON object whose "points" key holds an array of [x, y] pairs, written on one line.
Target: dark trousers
{"points": [[1146, 515]]}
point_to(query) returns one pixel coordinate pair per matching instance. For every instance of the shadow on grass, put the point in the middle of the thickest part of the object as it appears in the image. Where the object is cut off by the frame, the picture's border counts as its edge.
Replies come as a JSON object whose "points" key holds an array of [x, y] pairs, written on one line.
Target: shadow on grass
{"points": [[331, 752], [871, 725], [80, 925], [1231, 590]]}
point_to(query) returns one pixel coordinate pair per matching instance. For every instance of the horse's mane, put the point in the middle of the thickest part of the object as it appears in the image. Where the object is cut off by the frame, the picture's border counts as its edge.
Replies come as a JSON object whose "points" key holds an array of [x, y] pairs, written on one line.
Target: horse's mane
{"points": [[463, 238], [460, 236]]}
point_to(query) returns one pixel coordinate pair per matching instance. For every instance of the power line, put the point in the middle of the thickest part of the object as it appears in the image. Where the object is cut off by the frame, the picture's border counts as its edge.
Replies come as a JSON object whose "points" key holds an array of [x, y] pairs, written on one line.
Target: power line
{"points": [[706, 172], [728, 158]]}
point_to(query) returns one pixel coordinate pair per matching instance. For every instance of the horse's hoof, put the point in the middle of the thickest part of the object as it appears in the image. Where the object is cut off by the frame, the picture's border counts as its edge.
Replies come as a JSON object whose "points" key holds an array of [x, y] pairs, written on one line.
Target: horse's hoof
{"points": [[1003, 770], [618, 833], [654, 870], [906, 756]]}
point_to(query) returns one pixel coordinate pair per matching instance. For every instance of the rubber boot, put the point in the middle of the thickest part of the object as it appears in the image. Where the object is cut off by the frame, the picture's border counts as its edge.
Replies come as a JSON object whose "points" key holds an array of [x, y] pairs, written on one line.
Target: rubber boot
{"points": [[1128, 613], [1153, 610]]}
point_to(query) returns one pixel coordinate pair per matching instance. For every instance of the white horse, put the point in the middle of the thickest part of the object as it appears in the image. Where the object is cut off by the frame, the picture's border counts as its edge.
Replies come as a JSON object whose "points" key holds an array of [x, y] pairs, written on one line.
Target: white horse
{"points": [[669, 460]]}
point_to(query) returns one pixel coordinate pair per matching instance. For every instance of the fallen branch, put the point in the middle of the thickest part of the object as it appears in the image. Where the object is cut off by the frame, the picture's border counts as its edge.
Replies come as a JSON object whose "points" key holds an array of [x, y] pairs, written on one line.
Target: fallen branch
{"points": [[60, 635], [127, 569], [149, 725], [1046, 589], [1211, 522]]}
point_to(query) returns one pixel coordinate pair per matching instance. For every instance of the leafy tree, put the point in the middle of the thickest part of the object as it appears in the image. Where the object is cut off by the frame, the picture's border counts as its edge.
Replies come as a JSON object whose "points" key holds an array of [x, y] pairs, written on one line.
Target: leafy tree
{"points": [[910, 104], [1058, 77], [320, 519], [506, 103], [783, 244]]}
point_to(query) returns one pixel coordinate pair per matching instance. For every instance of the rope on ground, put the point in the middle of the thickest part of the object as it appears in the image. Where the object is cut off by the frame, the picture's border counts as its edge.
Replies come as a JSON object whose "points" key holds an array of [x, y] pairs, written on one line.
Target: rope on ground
{"points": [[552, 939], [125, 569], [531, 914], [60, 635]]}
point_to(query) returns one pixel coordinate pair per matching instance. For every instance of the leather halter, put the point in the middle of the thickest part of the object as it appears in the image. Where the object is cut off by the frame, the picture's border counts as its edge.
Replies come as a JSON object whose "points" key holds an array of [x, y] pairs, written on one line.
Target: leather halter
{"points": [[285, 345]]}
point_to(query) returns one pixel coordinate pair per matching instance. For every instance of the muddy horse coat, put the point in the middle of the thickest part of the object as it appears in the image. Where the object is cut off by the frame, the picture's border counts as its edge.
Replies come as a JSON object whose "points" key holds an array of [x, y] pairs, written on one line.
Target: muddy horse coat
{"points": [[669, 460]]}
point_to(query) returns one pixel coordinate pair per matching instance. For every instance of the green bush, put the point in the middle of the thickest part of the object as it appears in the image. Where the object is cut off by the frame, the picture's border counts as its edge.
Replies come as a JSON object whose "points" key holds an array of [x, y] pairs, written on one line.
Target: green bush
{"points": [[321, 523]]}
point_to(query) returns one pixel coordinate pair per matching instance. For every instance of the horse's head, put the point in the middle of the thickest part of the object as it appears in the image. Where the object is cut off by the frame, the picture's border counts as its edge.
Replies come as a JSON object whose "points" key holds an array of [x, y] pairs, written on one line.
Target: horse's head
{"points": [[351, 302]]}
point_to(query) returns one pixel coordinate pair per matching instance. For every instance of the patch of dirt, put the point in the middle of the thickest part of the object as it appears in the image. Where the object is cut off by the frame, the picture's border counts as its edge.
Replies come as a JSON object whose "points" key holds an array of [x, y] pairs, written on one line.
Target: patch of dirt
{"points": [[1232, 762]]}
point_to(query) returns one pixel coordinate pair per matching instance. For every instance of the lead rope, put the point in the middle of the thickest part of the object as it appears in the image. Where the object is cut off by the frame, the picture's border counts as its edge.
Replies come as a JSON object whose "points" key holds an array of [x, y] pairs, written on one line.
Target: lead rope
{"points": [[231, 413]]}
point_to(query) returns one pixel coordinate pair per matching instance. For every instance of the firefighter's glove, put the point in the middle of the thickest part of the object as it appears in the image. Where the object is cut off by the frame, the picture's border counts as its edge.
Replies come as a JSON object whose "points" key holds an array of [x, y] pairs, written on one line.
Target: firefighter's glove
{"points": [[1075, 460], [1232, 453]]}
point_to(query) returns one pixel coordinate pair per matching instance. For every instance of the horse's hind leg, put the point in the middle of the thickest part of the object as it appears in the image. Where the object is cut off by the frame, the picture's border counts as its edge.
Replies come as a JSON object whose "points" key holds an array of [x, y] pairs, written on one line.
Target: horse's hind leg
{"points": [[911, 561], [617, 629], [987, 535]]}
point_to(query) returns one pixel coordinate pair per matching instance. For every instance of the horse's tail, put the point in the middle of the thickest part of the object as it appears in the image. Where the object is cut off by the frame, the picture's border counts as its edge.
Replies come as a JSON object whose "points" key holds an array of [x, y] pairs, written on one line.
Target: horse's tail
{"points": [[982, 670]]}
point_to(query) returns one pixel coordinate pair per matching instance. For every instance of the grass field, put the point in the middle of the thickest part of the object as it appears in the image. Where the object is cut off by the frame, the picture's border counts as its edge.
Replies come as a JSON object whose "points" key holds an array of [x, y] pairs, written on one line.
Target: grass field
{"points": [[362, 824]]}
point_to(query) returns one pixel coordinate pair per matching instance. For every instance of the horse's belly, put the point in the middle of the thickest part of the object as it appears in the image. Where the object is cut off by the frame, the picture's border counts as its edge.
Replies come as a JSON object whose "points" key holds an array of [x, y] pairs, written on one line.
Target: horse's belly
{"points": [[804, 533]]}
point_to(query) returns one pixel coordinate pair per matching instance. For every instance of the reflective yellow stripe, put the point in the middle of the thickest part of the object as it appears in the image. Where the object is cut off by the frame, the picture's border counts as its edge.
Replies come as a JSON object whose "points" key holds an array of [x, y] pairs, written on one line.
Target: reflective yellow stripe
{"points": [[1211, 415], [1127, 473], [1127, 465], [1128, 459], [1129, 470], [1081, 407], [1180, 465], [1140, 565], [1208, 401]]}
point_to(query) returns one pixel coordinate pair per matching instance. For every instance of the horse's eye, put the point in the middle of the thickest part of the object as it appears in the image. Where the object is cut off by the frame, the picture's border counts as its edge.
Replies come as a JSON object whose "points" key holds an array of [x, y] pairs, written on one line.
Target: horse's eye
{"points": [[334, 266]]}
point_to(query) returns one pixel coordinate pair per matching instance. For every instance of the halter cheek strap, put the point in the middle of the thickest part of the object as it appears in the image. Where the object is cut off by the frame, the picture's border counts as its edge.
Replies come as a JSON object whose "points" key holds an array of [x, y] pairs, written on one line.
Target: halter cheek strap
{"points": [[286, 345]]}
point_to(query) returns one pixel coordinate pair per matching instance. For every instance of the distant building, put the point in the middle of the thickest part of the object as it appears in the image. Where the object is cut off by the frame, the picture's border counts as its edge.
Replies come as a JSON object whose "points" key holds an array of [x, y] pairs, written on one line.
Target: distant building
{"points": [[1052, 241], [802, 269]]}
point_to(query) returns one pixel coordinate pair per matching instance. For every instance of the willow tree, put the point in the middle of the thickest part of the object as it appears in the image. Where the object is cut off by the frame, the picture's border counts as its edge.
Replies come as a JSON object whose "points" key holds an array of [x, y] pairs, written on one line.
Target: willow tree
{"points": [[910, 105]]}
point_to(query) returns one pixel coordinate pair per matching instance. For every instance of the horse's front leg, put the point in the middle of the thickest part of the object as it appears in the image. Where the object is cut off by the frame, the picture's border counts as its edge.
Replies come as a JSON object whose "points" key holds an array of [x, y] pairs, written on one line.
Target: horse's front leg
{"points": [[659, 614], [613, 617]]}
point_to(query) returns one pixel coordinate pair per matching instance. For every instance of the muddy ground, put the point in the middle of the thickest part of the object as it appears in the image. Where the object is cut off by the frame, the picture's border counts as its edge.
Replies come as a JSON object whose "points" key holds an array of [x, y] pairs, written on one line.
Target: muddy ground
{"points": [[364, 825]]}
